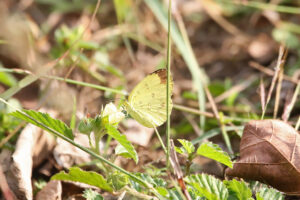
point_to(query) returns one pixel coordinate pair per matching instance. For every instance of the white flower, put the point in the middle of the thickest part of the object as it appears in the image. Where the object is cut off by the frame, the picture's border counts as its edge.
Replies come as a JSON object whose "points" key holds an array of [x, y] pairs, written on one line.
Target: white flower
{"points": [[114, 115]]}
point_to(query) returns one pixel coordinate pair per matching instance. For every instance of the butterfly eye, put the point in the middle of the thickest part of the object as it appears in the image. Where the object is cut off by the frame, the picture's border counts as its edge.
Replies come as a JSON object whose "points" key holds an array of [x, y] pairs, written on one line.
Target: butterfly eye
{"points": [[124, 112]]}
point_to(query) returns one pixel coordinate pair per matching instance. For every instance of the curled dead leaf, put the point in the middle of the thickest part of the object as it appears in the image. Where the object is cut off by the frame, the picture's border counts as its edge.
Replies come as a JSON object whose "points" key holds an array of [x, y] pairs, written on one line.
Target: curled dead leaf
{"points": [[270, 153]]}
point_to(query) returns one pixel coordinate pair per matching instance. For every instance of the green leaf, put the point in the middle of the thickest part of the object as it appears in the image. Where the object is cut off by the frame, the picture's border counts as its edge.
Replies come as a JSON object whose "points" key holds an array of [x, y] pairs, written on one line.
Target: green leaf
{"points": [[162, 191], [44, 121], [208, 186], [114, 133], [118, 180], [286, 37], [213, 151], [174, 195], [187, 146], [90, 194], [7, 79], [238, 190], [120, 150], [77, 175], [269, 193]]}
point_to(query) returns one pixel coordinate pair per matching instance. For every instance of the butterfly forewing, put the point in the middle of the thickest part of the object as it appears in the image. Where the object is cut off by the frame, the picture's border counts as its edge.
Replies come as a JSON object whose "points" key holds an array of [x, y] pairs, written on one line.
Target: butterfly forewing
{"points": [[147, 101]]}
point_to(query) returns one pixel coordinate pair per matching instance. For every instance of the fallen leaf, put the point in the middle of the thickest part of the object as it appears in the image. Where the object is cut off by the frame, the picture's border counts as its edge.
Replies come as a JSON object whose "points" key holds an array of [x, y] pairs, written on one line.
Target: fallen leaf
{"points": [[270, 153], [52, 191]]}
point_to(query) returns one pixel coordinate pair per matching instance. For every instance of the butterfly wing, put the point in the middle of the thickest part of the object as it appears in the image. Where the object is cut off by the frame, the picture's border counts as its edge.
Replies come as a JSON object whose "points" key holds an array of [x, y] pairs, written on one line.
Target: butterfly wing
{"points": [[147, 101]]}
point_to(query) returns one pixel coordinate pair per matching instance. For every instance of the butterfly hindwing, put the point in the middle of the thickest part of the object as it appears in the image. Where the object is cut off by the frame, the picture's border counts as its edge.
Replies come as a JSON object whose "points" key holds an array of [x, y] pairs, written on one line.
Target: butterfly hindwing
{"points": [[147, 101]]}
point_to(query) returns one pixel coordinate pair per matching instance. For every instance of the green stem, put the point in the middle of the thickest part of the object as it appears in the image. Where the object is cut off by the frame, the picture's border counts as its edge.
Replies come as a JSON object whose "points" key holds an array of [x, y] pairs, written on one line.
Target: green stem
{"points": [[160, 140], [56, 133], [168, 83], [266, 6]]}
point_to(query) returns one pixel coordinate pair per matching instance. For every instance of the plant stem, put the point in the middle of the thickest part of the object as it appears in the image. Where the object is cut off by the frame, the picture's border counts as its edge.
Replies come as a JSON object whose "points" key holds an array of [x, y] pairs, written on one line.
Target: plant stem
{"points": [[160, 140], [56, 133], [298, 124], [168, 83]]}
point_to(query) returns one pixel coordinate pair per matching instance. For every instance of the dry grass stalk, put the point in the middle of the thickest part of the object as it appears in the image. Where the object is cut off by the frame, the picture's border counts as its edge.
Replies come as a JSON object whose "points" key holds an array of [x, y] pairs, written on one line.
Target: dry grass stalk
{"points": [[279, 84], [178, 172], [298, 124], [270, 72], [262, 93], [235, 89], [290, 104], [280, 61]]}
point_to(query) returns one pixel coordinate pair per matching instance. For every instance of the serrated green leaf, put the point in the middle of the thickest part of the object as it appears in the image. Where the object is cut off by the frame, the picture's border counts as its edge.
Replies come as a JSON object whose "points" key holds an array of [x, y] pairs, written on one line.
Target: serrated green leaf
{"points": [[90, 194], [114, 133], [213, 151], [238, 190], [264, 192], [174, 195], [187, 145], [77, 175], [269, 193], [208, 186], [38, 118]]}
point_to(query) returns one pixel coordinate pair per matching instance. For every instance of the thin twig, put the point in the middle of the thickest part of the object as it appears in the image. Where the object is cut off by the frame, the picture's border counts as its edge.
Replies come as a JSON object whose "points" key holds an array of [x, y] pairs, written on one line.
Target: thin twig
{"points": [[270, 72], [280, 61], [298, 124], [193, 123], [178, 172], [262, 93], [235, 89], [278, 89], [289, 107], [219, 118], [11, 134]]}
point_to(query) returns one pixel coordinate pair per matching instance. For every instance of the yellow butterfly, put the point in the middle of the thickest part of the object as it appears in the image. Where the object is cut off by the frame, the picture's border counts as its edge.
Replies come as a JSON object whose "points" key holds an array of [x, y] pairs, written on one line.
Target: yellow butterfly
{"points": [[147, 101]]}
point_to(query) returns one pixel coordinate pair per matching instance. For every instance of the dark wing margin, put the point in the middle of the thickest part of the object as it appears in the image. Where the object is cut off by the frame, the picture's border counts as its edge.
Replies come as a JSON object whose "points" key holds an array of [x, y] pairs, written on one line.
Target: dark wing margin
{"points": [[162, 73]]}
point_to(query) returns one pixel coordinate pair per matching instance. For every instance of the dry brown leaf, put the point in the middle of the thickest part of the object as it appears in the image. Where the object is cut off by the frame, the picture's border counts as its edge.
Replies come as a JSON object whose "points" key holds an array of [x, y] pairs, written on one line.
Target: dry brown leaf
{"points": [[52, 191], [18, 166], [67, 155], [270, 153]]}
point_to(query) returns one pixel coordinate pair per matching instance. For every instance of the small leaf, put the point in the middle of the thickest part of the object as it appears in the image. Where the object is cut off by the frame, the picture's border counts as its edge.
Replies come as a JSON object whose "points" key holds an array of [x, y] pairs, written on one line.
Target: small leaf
{"points": [[120, 150], [269, 193], [163, 191], [77, 175], [213, 151], [7, 79], [187, 145], [118, 180], [38, 118], [208, 186], [114, 133], [179, 150], [90, 194], [238, 190]]}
